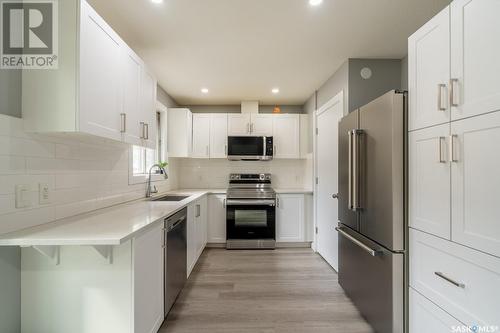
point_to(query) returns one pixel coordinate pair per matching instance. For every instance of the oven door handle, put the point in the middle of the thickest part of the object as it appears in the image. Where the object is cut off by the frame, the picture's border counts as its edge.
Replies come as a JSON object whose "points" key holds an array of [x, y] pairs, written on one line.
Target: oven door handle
{"points": [[257, 202]]}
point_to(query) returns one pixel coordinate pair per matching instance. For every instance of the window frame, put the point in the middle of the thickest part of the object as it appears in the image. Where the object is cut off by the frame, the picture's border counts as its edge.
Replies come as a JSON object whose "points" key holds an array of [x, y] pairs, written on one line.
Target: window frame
{"points": [[160, 150]]}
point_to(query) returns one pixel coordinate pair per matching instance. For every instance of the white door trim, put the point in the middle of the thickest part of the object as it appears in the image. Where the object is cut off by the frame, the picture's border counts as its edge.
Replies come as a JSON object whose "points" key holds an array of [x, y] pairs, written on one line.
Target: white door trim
{"points": [[339, 98]]}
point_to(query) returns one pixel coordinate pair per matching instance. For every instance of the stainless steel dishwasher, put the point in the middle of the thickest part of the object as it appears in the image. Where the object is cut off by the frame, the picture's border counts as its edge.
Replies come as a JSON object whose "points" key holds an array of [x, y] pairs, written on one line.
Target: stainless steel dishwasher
{"points": [[175, 257]]}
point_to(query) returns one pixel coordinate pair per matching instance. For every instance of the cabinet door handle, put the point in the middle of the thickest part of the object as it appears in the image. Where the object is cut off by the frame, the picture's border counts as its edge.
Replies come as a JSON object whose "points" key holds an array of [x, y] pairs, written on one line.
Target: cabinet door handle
{"points": [[224, 203], [349, 178], [441, 107], [142, 129], [146, 131], [123, 123], [441, 141], [251, 127], [198, 210], [453, 158], [248, 128], [453, 90], [453, 282], [335, 196], [225, 150], [278, 201]]}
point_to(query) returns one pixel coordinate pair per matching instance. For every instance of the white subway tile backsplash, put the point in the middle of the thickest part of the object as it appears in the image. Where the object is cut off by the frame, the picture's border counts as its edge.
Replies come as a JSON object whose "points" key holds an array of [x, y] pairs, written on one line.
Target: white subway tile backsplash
{"points": [[83, 173], [204, 173], [12, 165]]}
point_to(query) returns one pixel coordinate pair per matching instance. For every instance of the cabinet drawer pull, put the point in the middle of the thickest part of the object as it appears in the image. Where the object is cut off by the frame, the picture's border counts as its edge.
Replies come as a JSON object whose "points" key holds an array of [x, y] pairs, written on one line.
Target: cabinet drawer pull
{"points": [[142, 129], [453, 282], [146, 131], [441, 107]]}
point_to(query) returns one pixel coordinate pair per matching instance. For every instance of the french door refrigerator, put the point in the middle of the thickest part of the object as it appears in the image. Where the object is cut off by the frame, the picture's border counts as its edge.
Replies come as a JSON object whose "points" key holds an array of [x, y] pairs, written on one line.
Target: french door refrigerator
{"points": [[372, 211]]}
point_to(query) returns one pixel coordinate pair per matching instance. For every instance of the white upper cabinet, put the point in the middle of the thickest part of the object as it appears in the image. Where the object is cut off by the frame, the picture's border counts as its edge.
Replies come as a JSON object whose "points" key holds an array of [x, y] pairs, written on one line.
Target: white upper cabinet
{"points": [[132, 76], [179, 132], [148, 109], [429, 179], [261, 124], [101, 87], [201, 135], [286, 135], [100, 76], [475, 60], [429, 72], [238, 124], [218, 135], [475, 188]]}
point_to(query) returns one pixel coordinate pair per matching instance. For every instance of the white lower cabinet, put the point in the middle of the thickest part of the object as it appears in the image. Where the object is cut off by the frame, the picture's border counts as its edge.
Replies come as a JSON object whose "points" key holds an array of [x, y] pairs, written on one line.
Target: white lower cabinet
{"points": [[290, 217], [216, 218], [475, 185], [463, 282], [196, 231], [427, 317], [148, 280], [429, 179]]}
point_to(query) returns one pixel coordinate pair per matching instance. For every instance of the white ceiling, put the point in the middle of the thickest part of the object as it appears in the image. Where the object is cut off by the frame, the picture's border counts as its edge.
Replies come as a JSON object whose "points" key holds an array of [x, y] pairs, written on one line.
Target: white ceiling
{"points": [[241, 49]]}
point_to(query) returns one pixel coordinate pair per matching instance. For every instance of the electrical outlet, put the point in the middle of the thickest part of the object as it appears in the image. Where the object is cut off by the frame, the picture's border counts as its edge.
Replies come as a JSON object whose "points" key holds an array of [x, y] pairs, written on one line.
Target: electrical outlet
{"points": [[44, 193], [22, 199]]}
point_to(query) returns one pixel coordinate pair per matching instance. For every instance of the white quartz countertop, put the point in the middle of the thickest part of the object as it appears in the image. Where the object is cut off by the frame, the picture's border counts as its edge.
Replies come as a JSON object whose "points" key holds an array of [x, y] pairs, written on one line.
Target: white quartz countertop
{"points": [[110, 226]]}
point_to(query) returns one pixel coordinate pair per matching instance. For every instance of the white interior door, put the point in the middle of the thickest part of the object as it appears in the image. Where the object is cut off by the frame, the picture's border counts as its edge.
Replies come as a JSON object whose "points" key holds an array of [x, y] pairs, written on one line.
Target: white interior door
{"points": [[327, 119]]}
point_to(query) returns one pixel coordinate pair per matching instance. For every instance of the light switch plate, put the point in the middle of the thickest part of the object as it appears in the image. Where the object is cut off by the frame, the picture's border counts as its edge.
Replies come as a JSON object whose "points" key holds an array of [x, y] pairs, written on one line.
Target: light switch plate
{"points": [[43, 193], [22, 199]]}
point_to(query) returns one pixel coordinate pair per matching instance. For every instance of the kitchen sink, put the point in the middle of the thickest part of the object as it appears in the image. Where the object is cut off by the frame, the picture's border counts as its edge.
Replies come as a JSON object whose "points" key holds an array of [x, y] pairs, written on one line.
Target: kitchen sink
{"points": [[171, 198]]}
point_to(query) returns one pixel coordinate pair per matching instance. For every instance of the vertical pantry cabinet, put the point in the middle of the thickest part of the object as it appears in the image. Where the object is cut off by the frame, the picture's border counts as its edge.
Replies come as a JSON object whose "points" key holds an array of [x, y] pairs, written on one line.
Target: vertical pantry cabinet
{"points": [[454, 123]]}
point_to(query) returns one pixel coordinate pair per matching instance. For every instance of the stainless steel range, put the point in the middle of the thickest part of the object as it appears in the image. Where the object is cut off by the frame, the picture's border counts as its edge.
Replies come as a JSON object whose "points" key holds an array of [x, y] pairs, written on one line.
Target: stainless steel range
{"points": [[250, 212]]}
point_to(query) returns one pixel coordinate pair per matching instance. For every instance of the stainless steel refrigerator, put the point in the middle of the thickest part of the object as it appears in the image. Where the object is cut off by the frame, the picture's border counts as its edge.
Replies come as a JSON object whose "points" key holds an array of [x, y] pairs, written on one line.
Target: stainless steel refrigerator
{"points": [[372, 211]]}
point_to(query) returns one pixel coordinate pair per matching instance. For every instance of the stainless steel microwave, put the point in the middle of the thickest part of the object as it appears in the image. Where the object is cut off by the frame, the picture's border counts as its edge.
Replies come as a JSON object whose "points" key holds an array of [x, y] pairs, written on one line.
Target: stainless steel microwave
{"points": [[250, 148]]}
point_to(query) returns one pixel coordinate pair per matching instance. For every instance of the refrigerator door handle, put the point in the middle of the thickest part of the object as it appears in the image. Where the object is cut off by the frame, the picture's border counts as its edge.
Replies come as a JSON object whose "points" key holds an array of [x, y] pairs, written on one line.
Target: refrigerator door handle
{"points": [[355, 169], [349, 180], [366, 248]]}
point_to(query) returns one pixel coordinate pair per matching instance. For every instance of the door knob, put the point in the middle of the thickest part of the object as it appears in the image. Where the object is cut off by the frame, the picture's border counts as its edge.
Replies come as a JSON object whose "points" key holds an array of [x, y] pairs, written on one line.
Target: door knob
{"points": [[335, 195]]}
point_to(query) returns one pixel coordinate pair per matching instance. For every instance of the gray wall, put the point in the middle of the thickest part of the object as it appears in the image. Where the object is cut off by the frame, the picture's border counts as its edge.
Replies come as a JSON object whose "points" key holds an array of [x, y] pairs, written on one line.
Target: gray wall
{"points": [[164, 98], [10, 289], [336, 83], [386, 75], [237, 108], [11, 92], [404, 73]]}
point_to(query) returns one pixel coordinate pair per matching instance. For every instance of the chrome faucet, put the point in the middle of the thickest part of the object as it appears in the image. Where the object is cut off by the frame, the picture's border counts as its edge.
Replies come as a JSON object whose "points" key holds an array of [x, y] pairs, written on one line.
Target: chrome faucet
{"points": [[149, 190]]}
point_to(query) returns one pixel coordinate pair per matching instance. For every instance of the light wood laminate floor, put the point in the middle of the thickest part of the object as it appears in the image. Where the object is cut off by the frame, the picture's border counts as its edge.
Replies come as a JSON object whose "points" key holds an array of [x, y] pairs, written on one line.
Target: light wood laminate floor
{"points": [[285, 290]]}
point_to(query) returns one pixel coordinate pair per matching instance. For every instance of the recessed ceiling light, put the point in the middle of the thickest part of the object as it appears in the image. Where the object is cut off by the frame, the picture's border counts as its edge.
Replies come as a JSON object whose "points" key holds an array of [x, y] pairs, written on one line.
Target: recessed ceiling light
{"points": [[204, 90], [275, 90], [315, 2], [156, 1]]}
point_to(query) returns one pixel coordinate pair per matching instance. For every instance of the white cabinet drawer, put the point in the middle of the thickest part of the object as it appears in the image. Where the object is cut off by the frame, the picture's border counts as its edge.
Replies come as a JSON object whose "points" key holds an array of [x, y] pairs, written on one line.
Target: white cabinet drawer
{"points": [[472, 291], [427, 317]]}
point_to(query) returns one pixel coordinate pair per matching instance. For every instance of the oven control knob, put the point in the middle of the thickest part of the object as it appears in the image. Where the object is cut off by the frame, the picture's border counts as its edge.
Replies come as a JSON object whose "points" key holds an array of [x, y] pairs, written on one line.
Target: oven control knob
{"points": [[262, 176]]}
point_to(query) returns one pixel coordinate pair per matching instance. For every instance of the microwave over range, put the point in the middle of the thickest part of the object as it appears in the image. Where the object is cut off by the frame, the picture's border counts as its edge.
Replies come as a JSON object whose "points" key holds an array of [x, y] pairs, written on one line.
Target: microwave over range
{"points": [[250, 148]]}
